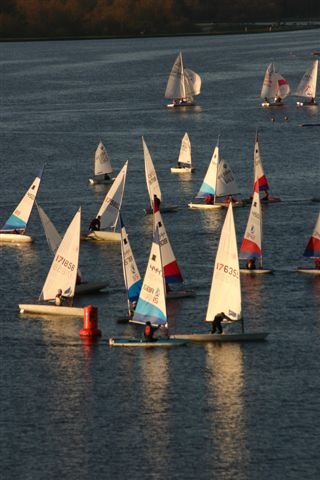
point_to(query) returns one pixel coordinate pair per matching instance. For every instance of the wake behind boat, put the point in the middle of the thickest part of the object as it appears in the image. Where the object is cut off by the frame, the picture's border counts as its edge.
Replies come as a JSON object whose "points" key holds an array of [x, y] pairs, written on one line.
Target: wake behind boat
{"points": [[15, 227], [104, 226], [225, 293], [183, 84], [59, 288]]}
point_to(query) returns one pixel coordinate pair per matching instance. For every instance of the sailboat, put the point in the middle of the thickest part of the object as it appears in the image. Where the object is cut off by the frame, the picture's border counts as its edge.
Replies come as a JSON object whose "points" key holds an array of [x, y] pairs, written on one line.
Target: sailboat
{"points": [[312, 250], [251, 246], [62, 275], [183, 84], [102, 166], [54, 240], [131, 275], [151, 305], [109, 211], [184, 160], [225, 292], [307, 87], [15, 227], [219, 181], [152, 182], [275, 88], [260, 177], [171, 270]]}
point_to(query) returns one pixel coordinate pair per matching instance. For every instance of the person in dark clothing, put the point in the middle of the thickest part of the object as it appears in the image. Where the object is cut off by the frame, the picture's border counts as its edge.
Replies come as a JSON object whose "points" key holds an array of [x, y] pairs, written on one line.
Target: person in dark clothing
{"points": [[216, 324], [148, 332], [95, 224], [251, 264]]}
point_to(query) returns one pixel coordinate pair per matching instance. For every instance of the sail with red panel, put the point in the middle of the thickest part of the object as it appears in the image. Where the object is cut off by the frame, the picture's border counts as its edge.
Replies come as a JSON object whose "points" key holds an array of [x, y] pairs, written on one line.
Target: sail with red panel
{"points": [[258, 168], [312, 249], [252, 239]]}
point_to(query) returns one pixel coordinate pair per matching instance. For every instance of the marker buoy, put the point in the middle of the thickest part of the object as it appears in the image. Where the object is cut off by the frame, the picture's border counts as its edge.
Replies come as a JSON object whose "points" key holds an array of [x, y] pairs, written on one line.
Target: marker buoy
{"points": [[90, 322]]}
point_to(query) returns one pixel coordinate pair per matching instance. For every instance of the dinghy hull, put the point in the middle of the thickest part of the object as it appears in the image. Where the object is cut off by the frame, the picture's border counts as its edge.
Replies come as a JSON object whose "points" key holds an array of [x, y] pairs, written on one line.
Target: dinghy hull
{"points": [[96, 181], [221, 338], [312, 271], [102, 236], [51, 310], [14, 238], [256, 271], [139, 342], [181, 170]]}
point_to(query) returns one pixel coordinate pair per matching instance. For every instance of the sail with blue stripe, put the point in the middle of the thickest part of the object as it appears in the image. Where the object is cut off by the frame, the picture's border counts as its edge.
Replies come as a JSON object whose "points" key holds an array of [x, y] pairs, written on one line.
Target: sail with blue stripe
{"points": [[18, 220], [151, 305]]}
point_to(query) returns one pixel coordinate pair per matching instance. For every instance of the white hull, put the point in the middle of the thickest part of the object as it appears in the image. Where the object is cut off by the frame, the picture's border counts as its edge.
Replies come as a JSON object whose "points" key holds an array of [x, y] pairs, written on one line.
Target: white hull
{"points": [[103, 236], [204, 206], [14, 238], [139, 342], [51, 310], [255, 271], [313, 271], [84, 288], [97, 181], [306, 104], [181, 105], [273, 104], [182, 170], [229, 337]]}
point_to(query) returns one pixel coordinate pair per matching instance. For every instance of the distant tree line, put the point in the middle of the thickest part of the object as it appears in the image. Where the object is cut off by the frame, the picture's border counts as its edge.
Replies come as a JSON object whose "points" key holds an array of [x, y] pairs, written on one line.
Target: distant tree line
{"points": [[64, 18]]}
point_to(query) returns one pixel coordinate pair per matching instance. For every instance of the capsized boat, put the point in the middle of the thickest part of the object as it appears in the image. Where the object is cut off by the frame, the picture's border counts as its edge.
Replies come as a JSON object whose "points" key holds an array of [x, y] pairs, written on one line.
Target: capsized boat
{"points": [[109, 211], [185, 159], [183, 84], [251, 246], [219, 182], [307, 88], [225, 292], [275, 88], [54, 239], [61, 277], [312, 250], [152, 182], [151, 305], [102, 172], [14, 230]]}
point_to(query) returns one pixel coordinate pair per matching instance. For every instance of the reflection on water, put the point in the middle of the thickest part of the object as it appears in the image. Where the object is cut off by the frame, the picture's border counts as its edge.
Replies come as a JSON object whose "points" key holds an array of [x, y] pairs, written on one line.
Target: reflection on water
{"points": [[225, 382]]}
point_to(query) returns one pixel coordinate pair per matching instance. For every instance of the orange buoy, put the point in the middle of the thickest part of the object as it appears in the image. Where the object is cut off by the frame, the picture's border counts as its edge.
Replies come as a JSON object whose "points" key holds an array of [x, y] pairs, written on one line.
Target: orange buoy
{"points": [[90, 322]]}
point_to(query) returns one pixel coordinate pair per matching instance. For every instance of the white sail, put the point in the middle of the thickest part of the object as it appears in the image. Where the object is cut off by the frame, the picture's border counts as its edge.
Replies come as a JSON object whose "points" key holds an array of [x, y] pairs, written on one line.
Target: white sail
{"points": [[102, 163], [225, 293], [151, 305], [209, 184], [110, 208], [226, 182], [308, 85], [182, 83], [151, 175], [185, 151], [18, 220], [251, 246], [274, 85], [63, 272], [52, 235]]}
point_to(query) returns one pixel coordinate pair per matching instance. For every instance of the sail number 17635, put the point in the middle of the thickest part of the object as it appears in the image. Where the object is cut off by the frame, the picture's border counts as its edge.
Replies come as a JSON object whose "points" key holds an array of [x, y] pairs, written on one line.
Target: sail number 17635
{"points": [[234, 272]]}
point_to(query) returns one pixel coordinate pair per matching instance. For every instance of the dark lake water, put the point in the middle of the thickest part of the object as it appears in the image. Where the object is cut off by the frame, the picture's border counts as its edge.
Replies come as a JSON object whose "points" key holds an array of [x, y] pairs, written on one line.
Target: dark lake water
{"points": [[75, 411]]}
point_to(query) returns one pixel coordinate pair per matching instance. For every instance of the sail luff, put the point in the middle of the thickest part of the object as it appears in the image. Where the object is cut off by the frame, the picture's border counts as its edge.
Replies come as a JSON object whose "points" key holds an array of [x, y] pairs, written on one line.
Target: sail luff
{"points": [[153, 186]]}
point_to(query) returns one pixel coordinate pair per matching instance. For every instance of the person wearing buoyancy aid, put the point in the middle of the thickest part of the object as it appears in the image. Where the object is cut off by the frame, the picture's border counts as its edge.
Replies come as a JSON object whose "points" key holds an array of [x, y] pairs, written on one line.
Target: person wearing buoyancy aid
{"points": [[148, 332]]}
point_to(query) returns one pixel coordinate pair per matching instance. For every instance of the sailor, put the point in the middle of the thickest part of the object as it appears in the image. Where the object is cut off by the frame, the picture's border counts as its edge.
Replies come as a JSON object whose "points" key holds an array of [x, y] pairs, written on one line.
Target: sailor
{"points": [[58, 299], [216, 324], [148, 332], [95, 224], [251, 264]]}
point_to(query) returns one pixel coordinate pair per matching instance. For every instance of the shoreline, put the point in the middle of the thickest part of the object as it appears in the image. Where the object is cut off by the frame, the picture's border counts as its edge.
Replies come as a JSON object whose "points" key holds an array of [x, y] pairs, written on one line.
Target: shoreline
{"points": [[225, 29]]}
